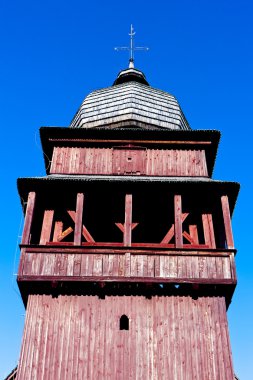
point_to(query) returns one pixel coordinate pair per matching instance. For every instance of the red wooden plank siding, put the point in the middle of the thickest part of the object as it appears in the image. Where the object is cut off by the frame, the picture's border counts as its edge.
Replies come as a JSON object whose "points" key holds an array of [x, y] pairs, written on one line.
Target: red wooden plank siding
{"points": [[78, 337], [28, 218], [174, 266], [153, 162]]}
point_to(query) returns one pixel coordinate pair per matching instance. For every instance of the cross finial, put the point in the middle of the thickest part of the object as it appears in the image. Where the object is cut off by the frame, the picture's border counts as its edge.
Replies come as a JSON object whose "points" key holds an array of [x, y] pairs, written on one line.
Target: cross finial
{"points": [[131, 48]]}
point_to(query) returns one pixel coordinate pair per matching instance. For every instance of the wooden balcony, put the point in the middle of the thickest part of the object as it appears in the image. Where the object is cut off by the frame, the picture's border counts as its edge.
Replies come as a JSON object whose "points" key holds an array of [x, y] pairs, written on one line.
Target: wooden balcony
{"points": [[179, 257], [126, 264]]}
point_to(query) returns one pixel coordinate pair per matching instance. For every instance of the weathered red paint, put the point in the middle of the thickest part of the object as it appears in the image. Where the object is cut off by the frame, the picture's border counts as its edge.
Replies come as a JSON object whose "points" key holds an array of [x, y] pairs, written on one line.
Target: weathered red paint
{"points": [[177, 266], [175, 335], [78, 337], [127, 161]]}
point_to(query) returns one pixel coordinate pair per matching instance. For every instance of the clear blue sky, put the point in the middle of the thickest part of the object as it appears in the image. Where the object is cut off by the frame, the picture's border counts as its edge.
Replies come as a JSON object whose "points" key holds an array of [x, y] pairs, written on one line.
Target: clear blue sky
{"points": [[53, 53]]}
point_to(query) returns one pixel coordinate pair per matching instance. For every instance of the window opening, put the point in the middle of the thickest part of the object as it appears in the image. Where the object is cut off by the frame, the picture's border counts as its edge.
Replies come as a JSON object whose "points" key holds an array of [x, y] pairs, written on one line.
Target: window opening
{"points": [[124, 322]]}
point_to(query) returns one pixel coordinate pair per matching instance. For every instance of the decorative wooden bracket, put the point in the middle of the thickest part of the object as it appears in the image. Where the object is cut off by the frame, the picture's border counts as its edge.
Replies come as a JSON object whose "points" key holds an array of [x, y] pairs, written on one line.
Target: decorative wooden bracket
{"points": [[122, 226]]}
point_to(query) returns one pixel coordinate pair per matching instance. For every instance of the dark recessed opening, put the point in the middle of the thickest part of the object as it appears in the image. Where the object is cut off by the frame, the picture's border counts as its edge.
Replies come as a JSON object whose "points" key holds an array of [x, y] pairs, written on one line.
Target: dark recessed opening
{"points": [[124, 322]]}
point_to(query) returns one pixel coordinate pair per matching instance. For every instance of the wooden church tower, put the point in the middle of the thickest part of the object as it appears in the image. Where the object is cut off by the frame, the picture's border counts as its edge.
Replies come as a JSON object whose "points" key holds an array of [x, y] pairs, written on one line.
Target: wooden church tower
{"points": [[127, 256]]}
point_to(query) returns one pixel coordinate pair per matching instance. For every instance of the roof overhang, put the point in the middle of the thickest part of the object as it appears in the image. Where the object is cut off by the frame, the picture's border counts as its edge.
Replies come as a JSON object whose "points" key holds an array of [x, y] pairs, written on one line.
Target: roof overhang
{"points": [[72, 184]]}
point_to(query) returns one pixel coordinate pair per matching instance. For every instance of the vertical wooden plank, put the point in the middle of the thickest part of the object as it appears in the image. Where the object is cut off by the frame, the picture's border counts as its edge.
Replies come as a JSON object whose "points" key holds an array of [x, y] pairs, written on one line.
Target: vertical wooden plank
{"points": [[52, 164], [46, 226], [211, 230], [59, 160], [84, 265], [70, 264], [128, 221], [127, 264], [208, 230], [193, 230], [227, 221], [226, 268], [64, 160], [28, 218], [121, 271], [232, 266], [226, 348], [173, 266], [150, 266], [204, 164], [97, 269], [78, 219], [57, 230], [178, 221], [219, 267], [77, 264], [81, 162]]}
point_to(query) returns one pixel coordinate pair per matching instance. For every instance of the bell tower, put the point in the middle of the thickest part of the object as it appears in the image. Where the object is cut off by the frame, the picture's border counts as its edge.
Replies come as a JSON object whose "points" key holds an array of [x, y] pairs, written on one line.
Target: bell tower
{"points": [[127, 257]]}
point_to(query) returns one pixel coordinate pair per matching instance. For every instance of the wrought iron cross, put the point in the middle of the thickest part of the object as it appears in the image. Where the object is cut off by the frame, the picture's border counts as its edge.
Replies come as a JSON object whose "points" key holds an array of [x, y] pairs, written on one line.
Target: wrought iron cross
{"points": [[132, 48]]}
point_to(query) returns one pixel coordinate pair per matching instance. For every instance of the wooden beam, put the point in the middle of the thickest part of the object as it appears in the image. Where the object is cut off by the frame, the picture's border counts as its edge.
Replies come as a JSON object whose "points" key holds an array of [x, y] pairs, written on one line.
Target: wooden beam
{"points": [[193, 230], [85, 232], [28, 218], [167, 142], [110, 278], [178, 221], [136, 250], [128, 221], [58, 227], [208, 230], [46, 226], [122, 228], [65, 233], [188, 237], [167, 238], [227, 221], [78, 219]]}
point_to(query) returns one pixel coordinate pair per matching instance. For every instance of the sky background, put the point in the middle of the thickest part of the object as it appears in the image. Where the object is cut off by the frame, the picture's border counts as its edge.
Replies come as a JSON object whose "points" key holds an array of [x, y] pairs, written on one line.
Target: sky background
{"points": [[53, 53]]}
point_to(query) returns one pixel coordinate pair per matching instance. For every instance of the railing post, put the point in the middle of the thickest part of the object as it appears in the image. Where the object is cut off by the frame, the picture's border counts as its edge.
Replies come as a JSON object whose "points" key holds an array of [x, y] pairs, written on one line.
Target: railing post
{"points": [[178, 221], [78, 219], [128, 220], [227, 221], [28, 218]]}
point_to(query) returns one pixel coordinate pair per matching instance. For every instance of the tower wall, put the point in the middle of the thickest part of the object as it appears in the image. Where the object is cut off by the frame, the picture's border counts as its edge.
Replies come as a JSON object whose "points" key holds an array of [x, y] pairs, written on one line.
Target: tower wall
{"points": [[129, 160], [168, 337]]}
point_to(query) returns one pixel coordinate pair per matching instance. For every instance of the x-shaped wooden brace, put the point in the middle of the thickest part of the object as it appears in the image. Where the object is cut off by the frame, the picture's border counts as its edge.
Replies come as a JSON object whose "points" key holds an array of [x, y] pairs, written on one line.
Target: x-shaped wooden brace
{"points": [[59, 235], [167, 238], [85, 232]]}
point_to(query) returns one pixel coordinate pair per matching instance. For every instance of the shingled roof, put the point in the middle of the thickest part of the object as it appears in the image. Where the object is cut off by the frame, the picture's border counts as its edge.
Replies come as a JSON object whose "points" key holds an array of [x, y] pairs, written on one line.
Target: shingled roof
{"points": [[130, 101]]}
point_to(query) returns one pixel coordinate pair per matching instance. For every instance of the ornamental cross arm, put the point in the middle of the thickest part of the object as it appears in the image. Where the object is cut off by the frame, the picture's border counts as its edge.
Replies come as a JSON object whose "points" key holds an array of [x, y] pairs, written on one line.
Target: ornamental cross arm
{"points": [[132, 48]]}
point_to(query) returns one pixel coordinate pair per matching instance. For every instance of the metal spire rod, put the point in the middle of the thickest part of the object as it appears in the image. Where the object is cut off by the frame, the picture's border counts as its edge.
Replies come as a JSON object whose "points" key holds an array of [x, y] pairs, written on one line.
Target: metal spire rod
{"points": [[131, 48]]}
